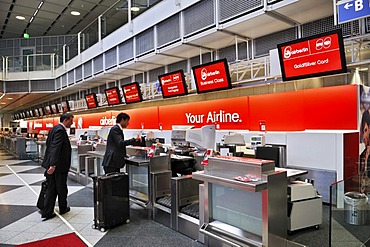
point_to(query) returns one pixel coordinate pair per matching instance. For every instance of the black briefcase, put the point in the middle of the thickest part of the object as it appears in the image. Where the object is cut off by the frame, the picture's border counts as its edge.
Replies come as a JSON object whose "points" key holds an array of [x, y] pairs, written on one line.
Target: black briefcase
{"points": [[41, 199], [111, 200]]}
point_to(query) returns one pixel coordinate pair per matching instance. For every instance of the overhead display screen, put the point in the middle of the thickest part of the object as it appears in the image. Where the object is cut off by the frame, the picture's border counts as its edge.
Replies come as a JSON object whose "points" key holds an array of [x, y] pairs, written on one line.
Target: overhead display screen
{"points": [[47, 110], [91, 101], [132, 93], [41, 112], [54, 109], [65, 106], [313, 56], [212, 76], [113, 96], [173, 84]]}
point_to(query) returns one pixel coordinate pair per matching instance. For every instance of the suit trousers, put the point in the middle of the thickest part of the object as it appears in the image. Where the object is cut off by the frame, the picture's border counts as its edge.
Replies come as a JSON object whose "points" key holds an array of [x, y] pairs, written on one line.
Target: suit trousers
{"points": [[57, 187]]}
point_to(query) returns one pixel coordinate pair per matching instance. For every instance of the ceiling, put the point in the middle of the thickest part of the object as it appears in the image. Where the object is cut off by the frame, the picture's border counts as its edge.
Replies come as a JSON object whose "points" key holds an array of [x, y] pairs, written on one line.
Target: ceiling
{"points": [[54, 18]]}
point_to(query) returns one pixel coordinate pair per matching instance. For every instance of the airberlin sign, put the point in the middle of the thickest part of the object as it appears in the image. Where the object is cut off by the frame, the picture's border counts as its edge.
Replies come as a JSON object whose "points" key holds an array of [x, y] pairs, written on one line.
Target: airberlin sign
{"points": [[313, 56]]}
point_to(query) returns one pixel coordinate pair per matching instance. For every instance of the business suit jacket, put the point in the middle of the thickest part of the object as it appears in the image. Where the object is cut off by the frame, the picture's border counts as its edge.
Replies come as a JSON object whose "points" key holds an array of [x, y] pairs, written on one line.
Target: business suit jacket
{"points": [[115, 152], [58, 150]]}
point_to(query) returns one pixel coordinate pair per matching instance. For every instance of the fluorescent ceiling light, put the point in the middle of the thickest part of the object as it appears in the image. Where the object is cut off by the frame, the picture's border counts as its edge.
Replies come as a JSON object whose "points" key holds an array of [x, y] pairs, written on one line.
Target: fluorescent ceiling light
{"points": [[135, 9], [9, 98], [19, 17], [75, 13]]}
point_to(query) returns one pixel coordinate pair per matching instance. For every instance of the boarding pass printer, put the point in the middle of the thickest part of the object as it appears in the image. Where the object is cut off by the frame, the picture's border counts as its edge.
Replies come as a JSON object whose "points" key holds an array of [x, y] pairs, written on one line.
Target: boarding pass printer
{"points": [[304, 206]]}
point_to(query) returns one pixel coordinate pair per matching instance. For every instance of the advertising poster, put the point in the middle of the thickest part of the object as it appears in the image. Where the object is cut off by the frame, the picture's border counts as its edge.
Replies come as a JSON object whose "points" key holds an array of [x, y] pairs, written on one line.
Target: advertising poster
{"points": [[364, 164]]}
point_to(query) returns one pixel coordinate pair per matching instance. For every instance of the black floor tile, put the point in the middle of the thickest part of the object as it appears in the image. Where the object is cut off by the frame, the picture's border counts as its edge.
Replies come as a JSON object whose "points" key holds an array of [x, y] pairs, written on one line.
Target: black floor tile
{"points": [[81, 198], [5, 188], [12, 213]]}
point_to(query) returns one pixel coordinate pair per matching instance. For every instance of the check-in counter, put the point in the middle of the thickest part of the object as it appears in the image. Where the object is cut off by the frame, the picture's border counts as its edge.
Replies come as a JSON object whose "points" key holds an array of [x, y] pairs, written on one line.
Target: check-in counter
{"points": [[145, 176], [245, 202], [41, 147], [185, 205], [82, 164]]}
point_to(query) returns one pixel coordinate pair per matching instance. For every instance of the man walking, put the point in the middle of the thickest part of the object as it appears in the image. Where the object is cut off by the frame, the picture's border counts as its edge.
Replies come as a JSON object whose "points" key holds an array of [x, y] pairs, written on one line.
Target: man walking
{"points": [[57, 162]]}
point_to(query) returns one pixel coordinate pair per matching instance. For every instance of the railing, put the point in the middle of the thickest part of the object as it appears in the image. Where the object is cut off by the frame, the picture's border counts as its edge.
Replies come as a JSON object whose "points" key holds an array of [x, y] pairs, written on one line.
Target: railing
{"points": [[28, 63], [350, 212]]}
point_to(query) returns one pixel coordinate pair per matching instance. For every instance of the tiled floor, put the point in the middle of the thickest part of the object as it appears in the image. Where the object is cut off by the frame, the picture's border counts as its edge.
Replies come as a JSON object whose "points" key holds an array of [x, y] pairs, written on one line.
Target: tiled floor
{"points": [[20, 220]]}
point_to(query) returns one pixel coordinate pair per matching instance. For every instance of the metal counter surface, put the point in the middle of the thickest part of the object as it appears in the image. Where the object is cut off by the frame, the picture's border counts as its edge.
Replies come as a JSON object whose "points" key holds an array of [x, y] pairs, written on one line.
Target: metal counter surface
{"points": [[249, 186], [136, 161]]}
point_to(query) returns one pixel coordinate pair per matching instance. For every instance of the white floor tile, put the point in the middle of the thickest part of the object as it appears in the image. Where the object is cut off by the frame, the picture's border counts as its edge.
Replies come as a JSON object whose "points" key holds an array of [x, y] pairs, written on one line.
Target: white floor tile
{"points": [[6, 235], [25, 237], [19, 226]]}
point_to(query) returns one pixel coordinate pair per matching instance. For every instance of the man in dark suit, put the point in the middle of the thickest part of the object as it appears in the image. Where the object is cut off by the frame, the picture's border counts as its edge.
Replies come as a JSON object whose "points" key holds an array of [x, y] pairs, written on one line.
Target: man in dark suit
{"points": [[57, 161], [115, 153]]}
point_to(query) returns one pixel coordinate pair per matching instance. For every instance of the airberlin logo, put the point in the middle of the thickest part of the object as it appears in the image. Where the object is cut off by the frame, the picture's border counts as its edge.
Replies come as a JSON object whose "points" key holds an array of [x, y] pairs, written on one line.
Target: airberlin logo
{"points": [[204, 73], [323, 43], [288, 51], [107, 121]]}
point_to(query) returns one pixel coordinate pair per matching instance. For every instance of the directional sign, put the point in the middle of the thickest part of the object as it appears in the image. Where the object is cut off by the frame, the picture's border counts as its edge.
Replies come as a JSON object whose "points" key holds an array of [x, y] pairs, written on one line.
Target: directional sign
{"points": [[349, 10]]}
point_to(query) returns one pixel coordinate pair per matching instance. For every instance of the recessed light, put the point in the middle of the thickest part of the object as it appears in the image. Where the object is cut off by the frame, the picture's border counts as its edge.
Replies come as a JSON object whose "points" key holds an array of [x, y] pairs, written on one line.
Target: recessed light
{"points": [[3, 103], [9, 98], [19, 17], [75, 13], [135, 9]]}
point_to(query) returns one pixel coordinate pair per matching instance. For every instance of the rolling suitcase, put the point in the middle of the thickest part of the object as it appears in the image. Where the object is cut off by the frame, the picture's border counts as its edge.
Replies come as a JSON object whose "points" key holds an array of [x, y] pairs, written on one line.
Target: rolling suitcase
{"points": [[111, 200]]}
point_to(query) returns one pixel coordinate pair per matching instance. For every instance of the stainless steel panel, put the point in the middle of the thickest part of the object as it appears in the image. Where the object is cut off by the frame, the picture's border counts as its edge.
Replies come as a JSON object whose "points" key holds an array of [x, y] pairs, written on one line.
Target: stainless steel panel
{"points": [[250, 186], [220, 166]]}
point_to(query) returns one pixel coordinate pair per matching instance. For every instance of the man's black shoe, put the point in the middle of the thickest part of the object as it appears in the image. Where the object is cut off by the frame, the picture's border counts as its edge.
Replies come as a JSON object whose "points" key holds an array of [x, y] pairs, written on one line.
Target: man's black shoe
{"points": [[47, 217], [65, 211]]}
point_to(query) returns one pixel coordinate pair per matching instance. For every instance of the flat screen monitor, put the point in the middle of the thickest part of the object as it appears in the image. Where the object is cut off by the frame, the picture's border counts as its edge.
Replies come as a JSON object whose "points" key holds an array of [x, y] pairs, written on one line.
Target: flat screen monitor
{"points": [[212, 76], [72, 131], [269, 153], [132, 93], [23, 115], [202, 138], [91, 101], [31, 113], [24, 130], [27, 114], [65, 106], [113, 96], [54, 109], [41, 112], [36, 111], [313, 56], [173, 84], [47, 110]]}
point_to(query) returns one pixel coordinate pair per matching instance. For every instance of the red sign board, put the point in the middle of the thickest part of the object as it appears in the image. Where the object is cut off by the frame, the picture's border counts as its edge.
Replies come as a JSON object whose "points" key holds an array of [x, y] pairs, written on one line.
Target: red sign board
{"points": [[212, 76], [91, 101], [313, 56], [231, 113], [132, 93], [173, 84], [113, 96]]}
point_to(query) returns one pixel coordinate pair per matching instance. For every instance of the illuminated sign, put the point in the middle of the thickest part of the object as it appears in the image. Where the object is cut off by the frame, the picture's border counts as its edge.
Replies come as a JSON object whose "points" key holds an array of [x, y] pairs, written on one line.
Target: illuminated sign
{"points": [[173, 84], [113, 96], [91, 101], [132, 93], [313, 56], [212, 76]]}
